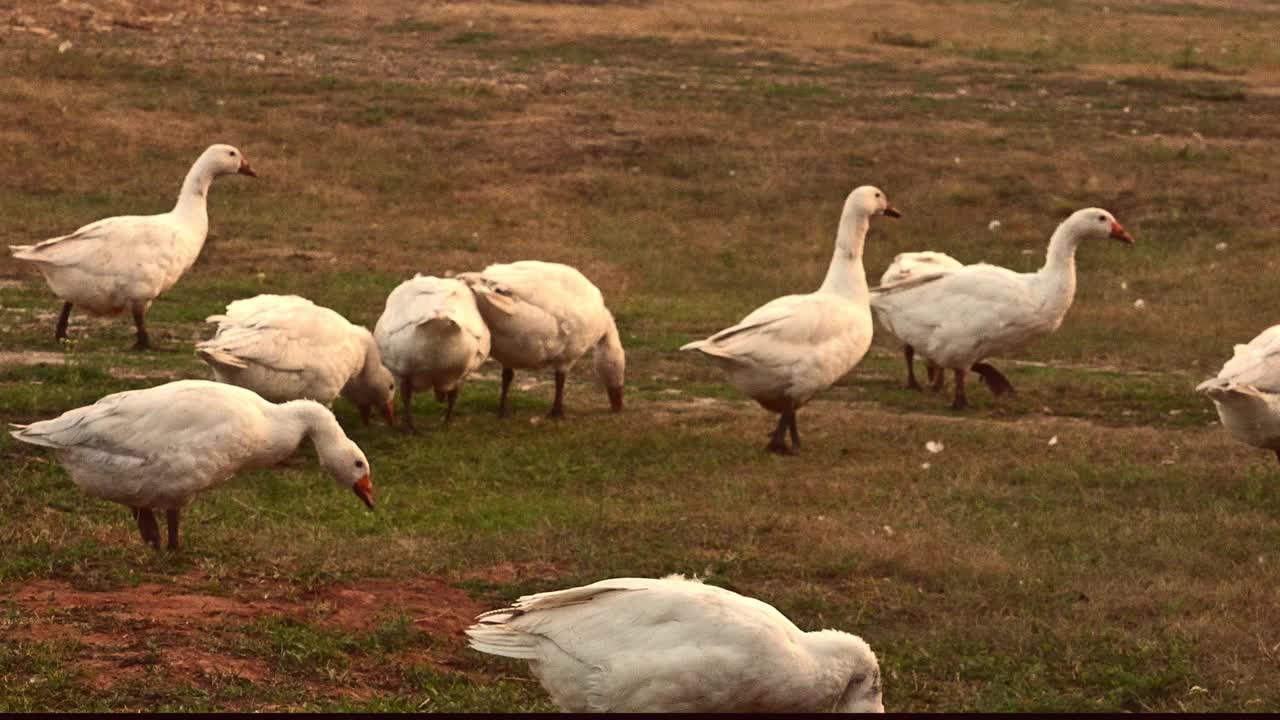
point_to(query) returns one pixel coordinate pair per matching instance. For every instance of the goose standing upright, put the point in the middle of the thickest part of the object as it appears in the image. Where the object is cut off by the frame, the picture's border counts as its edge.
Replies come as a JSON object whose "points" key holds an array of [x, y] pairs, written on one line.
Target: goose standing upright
{"points": [[431, 335], [792, 348], [1246, 392], [958, 318], [543, 314], [640, 645], [285, 347], [128, 261], [156, 449], [913, 264]]}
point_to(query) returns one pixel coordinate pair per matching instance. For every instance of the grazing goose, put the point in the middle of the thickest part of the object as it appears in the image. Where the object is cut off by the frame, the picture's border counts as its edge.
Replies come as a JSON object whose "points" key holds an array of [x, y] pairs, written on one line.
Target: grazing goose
{"points": [[543, 314], [1247, 392], [285, 347], [639, 645], [913, 264], [958, 318], [156, 449], [792, 348], [128, 261], [431, 335]]}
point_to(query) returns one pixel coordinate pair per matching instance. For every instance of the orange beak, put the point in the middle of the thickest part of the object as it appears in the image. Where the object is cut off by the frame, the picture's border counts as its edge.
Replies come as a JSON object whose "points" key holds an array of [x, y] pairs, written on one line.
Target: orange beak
{"points": [[364, 490], [245, 169], [891, 211], [1119, 233], [389, 411]]}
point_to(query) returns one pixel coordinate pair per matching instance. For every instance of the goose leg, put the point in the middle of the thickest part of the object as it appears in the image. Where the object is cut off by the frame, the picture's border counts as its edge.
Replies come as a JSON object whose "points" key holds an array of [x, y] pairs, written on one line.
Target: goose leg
{"points": [[147, 527], [1278, 455], [60, 332], [406, 398], [139, 320], [778, 438], [557, 405], [795, 432], [994, 379], [938, 376], [961, 402], [451, 398], [507, 376], [171, 519], [909, 353]]}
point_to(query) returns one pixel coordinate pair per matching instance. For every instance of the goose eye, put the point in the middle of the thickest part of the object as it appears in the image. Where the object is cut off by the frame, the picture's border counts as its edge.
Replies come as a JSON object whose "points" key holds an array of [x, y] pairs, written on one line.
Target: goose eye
{"points": [[359, 464], [1102, 218], [877, 195], [232, 153]]}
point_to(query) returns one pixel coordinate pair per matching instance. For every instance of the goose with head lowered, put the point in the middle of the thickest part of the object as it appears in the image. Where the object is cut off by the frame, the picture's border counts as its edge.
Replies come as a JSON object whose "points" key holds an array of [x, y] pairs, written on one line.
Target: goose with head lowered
{"points": [[959, 318], [156, 449], [913, 264], [1246, 392], [640, 645], [431, 336], [285, 347], [792, 348], [126, 262], [543, 314]]}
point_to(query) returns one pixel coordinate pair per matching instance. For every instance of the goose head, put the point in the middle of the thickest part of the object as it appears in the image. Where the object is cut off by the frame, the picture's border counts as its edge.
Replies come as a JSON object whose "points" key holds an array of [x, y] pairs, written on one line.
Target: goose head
{"points": [[374, 386], [852, 667], [221, 159], [869, 200], [1095, 223], [348, 466]]}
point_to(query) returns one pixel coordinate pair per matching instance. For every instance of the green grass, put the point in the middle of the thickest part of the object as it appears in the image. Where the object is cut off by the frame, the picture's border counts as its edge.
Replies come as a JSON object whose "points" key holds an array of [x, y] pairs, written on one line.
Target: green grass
{"points": [[694, 167]]}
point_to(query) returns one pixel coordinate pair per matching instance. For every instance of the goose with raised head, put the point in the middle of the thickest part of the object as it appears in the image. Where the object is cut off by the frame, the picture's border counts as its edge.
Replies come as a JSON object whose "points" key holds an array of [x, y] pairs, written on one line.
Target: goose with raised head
{"points": [[126, 262], [543, 314], [431, 336], [914, 264], [959, 318], [285, 347], [792, 348], [642, 645], [156, 449], [1246, 392]]}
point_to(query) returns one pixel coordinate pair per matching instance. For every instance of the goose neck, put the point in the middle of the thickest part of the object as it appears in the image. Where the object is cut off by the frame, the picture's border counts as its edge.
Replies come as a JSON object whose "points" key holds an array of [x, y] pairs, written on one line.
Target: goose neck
{"points": [[1058, 276], [846, 275], [193, 197]]}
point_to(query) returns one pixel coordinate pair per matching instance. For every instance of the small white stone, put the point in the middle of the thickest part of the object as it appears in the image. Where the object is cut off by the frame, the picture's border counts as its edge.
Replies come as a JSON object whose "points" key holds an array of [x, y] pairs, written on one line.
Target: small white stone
{"points": [[993, 225], [1053, 441], [957, 160], [64, 46], [1124, 285], [732, 173], [1139, 304], [1220, 246], [1126, 108], [925, 466], [255, 57], [888, 530], [962, 92], [934, 447]]}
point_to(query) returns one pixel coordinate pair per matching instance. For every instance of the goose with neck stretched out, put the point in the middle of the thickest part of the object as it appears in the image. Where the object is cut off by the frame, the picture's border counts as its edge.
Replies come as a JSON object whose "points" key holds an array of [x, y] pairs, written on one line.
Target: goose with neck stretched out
{"points": [[792, 348], [126, 262], [1246, 392], [156, 449], [641, 645], [961, 317], [543, 314], [285, 347]]}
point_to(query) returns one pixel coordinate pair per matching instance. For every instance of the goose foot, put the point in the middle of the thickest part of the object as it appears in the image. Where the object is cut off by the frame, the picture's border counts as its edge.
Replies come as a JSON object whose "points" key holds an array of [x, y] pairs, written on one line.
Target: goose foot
{"points": [[778, 438], [994, 379], [147, 526], [557, 405], [909, 354], [60, 332], [504, 408]]}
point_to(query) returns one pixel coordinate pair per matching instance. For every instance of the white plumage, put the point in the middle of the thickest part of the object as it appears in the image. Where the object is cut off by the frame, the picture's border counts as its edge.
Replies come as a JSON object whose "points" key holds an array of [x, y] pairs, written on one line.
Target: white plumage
{"points": [[158, 448], [1246, 391], [543, 314], [285, 347], [790, 349], [959, 317], [431, 335], [126, 262], [677, 645], [914, 264]]}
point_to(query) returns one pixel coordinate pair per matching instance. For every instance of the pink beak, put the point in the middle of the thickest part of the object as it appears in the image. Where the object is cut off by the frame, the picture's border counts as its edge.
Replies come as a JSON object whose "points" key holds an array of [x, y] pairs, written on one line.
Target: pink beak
{"points": [[1119, 233]]}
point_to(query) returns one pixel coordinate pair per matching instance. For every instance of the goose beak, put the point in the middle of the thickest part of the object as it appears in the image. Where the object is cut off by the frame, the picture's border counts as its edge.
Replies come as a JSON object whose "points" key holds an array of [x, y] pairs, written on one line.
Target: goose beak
{"points": [[364, 490], [615, 398], [389, 411], [891, 211], [1119, 233], [245, 169]]}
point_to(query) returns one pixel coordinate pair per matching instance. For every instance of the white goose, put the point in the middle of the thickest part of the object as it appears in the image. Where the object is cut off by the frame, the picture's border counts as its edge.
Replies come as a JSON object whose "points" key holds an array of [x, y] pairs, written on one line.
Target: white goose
{"points": [[1246, 392], [128, 261], [640, 645], [914, 264], [158, 448], [545, 314], [285, 347], [792, 348], [431, 335], [958, 318]]}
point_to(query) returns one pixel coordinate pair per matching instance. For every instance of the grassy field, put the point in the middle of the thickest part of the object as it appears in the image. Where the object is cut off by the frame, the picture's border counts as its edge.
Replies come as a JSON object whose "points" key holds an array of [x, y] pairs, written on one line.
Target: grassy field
{"points": [[1095, 543]]}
